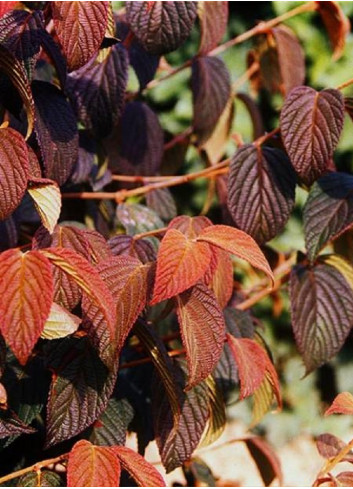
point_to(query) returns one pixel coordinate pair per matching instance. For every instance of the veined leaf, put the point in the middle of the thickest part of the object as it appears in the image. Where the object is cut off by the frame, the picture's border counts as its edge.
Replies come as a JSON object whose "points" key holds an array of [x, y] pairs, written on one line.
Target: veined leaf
{"points": [[26, 295], [253, 364], [47, 200], [97, 91], [10, 425], [221, 281], [98, 248], [322, 311], [238, 243], [42, 478], [190, 226], [92, 466], [13, 169], [217, 420], [162, 201], [135, 146], [140, 470], [80, 389], [202, 329], [329, 445], [261, 191], [180, 264], [213, 22], [342, 404], [87, 278], [328, 211], [137, 218], [161, 27], [6, 7], [211, 89], [311, 124], [13, 68], [337, 25], [56, 131], [80, 27], [60, 323], [123, 244]]}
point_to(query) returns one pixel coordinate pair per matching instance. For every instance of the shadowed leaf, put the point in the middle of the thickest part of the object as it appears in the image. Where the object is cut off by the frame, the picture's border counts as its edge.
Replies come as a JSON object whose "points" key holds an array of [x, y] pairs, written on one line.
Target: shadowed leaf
{"points": [[162, 201], [10, 425], [92, 466], [161, 27], [42, 478], [202, 330], [337, 25], [80, 27], [265, 459], [26, 295], [261, 191], [123, 244], [343, 404], [311, 124], [213, 22]]}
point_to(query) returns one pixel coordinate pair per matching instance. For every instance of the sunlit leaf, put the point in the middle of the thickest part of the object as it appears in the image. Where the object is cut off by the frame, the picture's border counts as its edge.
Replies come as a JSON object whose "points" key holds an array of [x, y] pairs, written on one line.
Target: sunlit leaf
{"points": [[343, 404], [213, 22], [123, 244], [337, 25], [47, 200], [60, 323], [190, 226], [26, 295], [329, 445], [311, 124]]}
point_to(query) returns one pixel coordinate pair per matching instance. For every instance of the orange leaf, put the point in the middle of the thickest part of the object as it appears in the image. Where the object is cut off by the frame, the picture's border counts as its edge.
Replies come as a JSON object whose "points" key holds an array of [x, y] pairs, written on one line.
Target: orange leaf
{"points": [[238, 243], [140, 470], [202, 329], [221, 281], [343, 404], [336, 24], [253, 364], [26, 295], [92, 466], [181, 262]]}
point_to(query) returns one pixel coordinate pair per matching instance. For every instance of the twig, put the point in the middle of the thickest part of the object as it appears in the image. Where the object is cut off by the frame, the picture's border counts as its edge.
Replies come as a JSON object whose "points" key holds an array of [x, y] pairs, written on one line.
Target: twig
{"points": [[34, 468], [154, 232], [331, 463], [143, 361], [345, 84]]}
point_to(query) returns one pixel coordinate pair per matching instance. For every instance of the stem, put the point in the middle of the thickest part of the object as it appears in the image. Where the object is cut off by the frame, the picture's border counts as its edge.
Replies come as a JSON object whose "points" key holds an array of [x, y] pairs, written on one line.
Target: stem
{"points": [[266, 137], [34, 468], [331, 464], [345, 84], [154, 232], [143, 361]]}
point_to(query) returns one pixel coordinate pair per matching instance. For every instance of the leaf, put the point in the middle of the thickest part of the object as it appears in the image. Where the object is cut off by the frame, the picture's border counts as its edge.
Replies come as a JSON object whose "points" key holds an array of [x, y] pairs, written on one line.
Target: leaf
{"points": [[162, 201], [176, 443], [211, 89], [238, 243], [265, 459], [47, 200], [181, 262], [135, 146], [98, 248], [345, 479], [26, 292], [254, 113], [136, 218], [111, 427], [66, 292], [56, 131], [202, 330], [123, 244], [217, 420], [190, 226], [87, 278], [222, 279], [17, 74], [213, 22], [42, 478], [80, 28], [6, 7], [253, 364], [97, 91], [328, 211], [90, 466], [261, 191], [161, 27], [13, 170], [60, 323], [215, 145], [140, 470], [10, 425], [329, 445], [342, 404], [337, 25], [80, 389], [311, 123], [8, 234], [321, 310]]}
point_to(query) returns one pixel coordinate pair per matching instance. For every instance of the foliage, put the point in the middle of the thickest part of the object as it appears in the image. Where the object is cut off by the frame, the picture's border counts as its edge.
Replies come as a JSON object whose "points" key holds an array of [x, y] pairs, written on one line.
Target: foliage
{"points": [[118, 312]]}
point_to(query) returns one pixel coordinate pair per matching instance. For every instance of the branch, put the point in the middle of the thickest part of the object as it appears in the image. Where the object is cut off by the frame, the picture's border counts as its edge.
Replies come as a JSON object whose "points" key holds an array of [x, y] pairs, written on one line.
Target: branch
{"points": [[34, 468]]}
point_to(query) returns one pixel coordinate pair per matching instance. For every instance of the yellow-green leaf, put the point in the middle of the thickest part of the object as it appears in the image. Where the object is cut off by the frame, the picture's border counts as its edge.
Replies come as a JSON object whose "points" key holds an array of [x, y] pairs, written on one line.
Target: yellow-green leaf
{"points": [[60, 323]]}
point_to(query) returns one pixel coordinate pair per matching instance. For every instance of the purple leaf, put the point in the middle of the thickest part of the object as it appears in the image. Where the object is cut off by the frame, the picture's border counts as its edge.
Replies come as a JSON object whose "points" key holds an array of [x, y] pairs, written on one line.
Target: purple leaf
{"points": [[161, 27], [123, 244], [261, 191]]}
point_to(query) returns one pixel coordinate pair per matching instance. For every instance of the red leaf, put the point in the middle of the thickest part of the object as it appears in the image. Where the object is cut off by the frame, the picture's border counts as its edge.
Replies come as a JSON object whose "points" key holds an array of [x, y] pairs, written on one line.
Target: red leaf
{"points": [[266, 460], [202, 329], [6, 7], [140, 470], [92, 466], [180, 264], [26, 295], [221, 281], [238, 243], [13, 170], [213, 22], [343, 404], [336, 24], [190, 226], [311, 124], [253, 364], [329, 445], [87, 278], [80, 27]]}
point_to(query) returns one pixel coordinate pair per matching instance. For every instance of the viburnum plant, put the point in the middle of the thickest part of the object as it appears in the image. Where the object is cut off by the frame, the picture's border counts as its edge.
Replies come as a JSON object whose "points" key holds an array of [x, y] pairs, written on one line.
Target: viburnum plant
{"points": [[117, 314]]}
